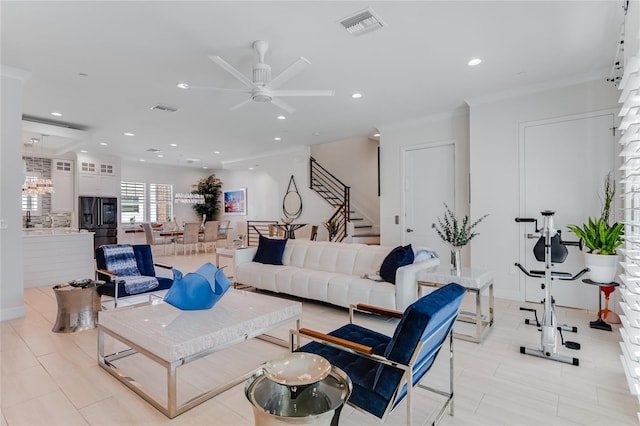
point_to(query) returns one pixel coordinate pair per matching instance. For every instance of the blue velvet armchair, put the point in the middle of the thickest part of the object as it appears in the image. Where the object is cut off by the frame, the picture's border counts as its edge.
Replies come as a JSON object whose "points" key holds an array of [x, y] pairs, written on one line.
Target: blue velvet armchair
{"points": [[385, 369], [127, 270]]}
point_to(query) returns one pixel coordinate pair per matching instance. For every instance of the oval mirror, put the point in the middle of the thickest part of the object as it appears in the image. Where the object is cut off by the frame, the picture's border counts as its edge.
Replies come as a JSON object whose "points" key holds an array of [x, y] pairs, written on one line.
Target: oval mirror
{"points": [[292, 205]]}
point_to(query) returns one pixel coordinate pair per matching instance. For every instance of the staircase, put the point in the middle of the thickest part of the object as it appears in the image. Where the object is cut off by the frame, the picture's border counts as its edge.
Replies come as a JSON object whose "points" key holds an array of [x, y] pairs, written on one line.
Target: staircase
{"points": [[352, 226]]}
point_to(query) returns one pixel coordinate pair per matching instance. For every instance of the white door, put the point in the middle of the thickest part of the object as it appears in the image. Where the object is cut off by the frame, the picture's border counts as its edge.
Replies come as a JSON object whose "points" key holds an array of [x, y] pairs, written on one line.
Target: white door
{"points": [[429, 182], [564, 165]]}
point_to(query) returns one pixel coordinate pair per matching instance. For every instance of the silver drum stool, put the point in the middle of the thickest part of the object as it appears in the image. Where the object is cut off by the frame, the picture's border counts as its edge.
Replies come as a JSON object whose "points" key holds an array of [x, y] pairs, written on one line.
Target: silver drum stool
{"points": [[78, 306]]}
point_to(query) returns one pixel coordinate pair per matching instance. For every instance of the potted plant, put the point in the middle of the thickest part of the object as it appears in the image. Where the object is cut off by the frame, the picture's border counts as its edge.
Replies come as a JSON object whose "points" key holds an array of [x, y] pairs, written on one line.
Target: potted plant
{"points": [[602, 239], [210, 187], [456, 234]]}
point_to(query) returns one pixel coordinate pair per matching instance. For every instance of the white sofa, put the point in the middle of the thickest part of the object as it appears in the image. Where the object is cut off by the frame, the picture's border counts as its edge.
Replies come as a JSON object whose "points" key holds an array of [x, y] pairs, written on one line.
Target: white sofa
{"points": [[331, 272]]}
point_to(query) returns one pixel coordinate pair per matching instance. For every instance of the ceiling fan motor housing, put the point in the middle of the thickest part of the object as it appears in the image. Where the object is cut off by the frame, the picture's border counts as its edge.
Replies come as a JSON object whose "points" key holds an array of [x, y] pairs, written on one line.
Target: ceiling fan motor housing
{"points": [[261, 95], [261, 74]]}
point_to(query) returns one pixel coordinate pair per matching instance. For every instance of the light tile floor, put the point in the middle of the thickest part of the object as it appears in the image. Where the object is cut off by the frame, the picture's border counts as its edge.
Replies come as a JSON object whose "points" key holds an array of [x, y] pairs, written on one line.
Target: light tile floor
{"points": [[53, 379]]}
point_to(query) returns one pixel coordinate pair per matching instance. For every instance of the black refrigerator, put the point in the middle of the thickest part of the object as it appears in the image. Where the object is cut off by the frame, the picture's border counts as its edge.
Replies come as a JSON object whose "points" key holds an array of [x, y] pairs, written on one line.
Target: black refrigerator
{"points": [[100, 216]]}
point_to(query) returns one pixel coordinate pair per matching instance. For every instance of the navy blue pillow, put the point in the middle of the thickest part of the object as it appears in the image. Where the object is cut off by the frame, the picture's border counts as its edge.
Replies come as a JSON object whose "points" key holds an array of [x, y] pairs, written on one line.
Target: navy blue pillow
{"points": [[399, 256], [270, 250]]}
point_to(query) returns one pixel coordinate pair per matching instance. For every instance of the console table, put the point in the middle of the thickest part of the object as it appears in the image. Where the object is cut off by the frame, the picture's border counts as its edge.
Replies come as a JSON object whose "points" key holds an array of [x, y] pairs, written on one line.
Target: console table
{"points": [[171, 338], [475, 281]]}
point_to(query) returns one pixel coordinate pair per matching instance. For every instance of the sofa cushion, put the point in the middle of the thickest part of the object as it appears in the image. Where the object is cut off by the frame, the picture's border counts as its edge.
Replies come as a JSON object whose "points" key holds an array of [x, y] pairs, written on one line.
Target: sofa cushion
{"points": [[399, 256], [270, 250]]}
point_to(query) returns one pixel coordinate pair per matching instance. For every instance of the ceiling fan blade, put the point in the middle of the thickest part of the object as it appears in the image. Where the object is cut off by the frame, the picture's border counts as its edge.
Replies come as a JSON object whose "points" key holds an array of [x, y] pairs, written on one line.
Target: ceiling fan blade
{"points": [[241, 104], [303, 92], [282, 104], [231, 70], [220, 89], [289, 72]]}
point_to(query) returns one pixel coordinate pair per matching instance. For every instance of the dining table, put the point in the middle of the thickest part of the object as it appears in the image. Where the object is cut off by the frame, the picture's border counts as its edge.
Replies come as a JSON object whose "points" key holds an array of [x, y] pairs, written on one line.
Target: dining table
{"points": [[290, 229]]}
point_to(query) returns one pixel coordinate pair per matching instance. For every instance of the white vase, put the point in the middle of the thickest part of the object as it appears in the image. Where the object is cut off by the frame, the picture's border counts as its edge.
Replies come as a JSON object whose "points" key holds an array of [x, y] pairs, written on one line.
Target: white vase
{"points": [[602, 268]]}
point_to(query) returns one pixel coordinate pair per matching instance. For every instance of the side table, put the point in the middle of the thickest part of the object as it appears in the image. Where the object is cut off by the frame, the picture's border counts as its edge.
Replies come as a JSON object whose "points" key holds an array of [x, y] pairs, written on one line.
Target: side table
{"points": [[599, 323], [475, 281], [78, 306]]}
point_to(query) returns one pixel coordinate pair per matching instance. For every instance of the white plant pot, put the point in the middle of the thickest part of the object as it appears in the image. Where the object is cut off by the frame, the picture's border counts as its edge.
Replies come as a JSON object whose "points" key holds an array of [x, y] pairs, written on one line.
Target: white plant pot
{"points": [[602, 268]]}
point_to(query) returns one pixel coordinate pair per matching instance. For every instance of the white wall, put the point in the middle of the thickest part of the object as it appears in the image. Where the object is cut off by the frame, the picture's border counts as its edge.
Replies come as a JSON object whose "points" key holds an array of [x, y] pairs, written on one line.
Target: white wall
{"points": [[12, 174], [494, 166], [355, 162], [393, 139], [267, 184]]}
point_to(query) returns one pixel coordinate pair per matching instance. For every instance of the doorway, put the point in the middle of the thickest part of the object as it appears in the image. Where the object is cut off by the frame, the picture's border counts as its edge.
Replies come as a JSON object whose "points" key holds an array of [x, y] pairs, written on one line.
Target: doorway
{"points": [[429, 176], [563, 165]]}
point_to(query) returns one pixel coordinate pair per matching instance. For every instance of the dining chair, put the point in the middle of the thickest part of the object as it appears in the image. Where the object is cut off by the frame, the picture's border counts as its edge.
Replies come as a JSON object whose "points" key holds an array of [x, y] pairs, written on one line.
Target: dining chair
{"points": [[385, 369], [153, 239], [189, 237], [275, 231], [314, 233], [210, 235], [223, 231]]}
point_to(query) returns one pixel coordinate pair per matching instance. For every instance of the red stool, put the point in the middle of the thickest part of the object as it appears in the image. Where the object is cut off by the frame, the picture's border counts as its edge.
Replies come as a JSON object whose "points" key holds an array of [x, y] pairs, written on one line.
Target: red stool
{"points": [[606, 314]]}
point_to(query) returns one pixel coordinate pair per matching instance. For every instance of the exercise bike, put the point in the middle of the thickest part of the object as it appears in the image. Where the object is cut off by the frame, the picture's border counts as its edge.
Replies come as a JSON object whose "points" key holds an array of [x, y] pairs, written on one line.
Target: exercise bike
{"points": [[550, 249]]}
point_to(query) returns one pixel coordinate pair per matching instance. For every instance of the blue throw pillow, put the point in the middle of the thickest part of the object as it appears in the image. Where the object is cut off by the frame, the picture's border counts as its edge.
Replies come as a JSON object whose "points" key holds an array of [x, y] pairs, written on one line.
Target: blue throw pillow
{"points": [[270, 250], [399, 256]]}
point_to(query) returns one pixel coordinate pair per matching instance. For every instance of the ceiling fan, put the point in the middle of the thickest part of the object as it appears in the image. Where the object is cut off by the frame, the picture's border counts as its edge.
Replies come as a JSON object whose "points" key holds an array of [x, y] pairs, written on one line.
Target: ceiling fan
{"points": [[262, 88]]}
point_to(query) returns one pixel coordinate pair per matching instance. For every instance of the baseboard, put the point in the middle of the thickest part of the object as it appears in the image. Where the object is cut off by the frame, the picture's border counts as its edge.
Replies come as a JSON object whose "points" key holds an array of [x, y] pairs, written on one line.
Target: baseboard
{"points": [[12, 313]]}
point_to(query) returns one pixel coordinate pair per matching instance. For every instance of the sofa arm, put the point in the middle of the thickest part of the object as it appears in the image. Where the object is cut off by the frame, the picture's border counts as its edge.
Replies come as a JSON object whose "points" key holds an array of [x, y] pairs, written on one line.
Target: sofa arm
{"points": [[407, 282], [241, 256]]}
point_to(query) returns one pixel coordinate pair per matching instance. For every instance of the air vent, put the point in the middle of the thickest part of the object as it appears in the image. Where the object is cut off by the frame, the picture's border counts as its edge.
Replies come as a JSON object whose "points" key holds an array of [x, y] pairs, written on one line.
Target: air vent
{"points": [[362, 22], [153, 150], [167, 108]]}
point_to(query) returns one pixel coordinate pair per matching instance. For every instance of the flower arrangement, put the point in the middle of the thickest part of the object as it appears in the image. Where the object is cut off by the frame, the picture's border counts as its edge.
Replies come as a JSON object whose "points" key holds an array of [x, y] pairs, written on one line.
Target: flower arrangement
{"points": [[454, 232], [332, 226], [210, 187]]}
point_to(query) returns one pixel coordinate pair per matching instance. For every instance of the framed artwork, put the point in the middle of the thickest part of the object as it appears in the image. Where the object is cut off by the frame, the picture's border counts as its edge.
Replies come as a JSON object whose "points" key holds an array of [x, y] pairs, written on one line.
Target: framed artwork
{"points": [[235, 202]]}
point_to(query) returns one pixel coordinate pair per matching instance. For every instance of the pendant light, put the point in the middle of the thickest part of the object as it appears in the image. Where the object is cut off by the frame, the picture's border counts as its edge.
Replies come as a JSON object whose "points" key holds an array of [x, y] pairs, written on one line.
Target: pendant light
{"points": [[41, 185]]}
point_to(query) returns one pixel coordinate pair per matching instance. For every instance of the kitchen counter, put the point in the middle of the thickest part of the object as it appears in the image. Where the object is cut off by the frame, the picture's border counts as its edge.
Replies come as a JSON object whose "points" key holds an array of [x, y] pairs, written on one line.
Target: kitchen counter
{"points": [[30, 232], [56, 255]]}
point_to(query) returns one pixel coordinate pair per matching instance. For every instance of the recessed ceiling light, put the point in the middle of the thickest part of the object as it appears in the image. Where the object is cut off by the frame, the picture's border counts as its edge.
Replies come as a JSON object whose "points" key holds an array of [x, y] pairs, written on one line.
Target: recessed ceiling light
{"points": [[216, 152], [129, 134], [56, 114], [277, 138], [376, 135], [103, 143], [474, 61], [160, 156], [84, 151], [204, 167], [281, 117], [356, 95], [182, 85], [250, 168], [173, 144], [142, 160]]}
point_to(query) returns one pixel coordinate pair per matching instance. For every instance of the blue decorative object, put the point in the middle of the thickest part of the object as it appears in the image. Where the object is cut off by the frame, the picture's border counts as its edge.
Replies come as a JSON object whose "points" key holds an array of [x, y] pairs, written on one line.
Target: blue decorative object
{"points": [[197, 290], [399, 256], [270, 250]]}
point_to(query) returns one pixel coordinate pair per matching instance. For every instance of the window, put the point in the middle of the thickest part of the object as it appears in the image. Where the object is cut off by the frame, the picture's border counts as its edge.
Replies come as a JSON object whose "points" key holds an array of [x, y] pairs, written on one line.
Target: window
{"points": [[146, 202], [31, 202], [132, 201], [160, 202]]}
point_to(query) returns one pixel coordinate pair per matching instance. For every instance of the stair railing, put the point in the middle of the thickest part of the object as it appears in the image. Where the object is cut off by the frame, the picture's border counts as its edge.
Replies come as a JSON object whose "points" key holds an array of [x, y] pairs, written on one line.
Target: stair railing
{"points": [[334, 192]]}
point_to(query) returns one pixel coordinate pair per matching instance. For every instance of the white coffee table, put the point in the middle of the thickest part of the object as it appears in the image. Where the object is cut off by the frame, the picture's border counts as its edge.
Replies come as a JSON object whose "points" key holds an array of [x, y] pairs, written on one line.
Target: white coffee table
{"points": [[475, 281], [172, 337]]}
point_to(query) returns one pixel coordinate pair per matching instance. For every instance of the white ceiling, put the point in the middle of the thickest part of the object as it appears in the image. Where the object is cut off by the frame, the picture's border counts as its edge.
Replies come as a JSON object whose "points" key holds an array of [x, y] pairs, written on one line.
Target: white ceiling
{"points": [[134, 53]]}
